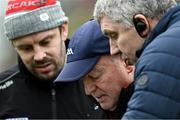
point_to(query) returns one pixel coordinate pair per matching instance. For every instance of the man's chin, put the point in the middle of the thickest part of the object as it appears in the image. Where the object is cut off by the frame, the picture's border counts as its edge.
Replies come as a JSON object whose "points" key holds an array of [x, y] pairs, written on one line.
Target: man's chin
{"points": [[49, 75], [45, 76], [110, 108]]}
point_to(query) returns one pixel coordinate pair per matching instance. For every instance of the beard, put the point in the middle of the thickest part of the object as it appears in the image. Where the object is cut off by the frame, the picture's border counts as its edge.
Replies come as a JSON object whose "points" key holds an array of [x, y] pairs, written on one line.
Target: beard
{"points": [[55, 68]]}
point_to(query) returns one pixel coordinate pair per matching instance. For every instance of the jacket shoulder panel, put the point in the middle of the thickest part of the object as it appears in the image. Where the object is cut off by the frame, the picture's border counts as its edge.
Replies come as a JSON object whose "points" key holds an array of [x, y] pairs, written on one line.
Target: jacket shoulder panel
{"points": [[8, 74]]}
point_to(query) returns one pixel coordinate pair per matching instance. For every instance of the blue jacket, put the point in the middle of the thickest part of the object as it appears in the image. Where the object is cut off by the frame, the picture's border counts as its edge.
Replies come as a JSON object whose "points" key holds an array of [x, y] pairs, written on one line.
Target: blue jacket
{"points": [[157, 75]]}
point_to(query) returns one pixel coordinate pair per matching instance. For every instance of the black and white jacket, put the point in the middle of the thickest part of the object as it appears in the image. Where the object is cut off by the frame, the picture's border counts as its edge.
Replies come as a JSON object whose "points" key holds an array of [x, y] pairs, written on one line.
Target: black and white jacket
{"points": [[23, 96]]}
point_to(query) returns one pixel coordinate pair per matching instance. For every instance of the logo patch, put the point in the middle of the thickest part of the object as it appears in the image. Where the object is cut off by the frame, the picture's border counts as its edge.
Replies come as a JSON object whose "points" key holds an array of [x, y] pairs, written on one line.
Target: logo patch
{"points": [[70, 51], [23, 118], [44, 17], [6, 84], [143, 81]]}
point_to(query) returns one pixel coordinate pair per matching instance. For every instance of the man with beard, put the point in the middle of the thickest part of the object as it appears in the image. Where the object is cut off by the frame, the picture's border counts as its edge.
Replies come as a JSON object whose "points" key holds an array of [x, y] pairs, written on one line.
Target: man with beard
{"points": [[38, 30]]}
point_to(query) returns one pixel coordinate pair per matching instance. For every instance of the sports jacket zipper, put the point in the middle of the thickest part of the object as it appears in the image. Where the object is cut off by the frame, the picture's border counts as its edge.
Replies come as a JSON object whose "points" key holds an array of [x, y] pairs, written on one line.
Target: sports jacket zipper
{"points": [[53, 103]]}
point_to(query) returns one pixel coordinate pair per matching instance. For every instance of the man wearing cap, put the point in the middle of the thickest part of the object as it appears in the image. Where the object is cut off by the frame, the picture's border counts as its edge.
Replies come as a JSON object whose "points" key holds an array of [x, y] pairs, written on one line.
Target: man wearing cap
{"points": [[108, 79], [37, 30]]}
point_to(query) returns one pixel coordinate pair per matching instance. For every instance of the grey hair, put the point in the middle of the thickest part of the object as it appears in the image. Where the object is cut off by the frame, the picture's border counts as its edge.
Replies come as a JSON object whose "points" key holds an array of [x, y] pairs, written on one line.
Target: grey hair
{"points": [[123, 11]]}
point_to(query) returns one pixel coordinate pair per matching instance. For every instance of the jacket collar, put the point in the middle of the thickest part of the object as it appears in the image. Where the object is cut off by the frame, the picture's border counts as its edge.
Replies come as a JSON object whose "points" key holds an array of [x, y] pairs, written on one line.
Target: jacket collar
{"points": [[23, 70]]}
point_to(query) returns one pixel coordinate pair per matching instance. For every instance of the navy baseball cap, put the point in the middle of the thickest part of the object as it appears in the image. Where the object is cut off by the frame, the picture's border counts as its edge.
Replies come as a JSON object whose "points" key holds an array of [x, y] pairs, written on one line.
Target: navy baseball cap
{"points": [[84, 50]]}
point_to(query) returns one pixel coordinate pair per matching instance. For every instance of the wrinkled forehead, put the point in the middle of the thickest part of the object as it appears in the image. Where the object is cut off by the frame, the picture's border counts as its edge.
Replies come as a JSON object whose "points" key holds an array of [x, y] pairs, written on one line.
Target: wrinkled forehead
{"points": [[109, 25]]}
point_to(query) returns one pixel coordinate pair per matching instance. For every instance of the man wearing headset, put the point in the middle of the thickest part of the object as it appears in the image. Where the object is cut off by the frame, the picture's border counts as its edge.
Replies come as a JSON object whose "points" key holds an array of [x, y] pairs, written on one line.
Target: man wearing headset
{"points": [[147, 30]]}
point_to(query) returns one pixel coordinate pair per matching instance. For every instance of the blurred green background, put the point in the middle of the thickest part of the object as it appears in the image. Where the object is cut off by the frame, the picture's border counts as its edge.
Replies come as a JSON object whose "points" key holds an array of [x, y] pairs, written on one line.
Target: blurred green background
{"points": [[78, 11]]}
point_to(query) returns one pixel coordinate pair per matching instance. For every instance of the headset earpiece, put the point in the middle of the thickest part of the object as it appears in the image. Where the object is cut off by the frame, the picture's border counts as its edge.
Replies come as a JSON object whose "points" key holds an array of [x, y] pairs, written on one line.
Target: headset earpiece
{"points": [[140, 27]]}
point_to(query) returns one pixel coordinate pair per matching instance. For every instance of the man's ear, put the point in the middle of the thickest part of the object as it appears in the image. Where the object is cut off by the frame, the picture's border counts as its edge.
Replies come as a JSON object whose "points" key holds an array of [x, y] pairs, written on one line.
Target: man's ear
{"points": [[141, 25], [64, 31], [129, 68], [12, 43]]}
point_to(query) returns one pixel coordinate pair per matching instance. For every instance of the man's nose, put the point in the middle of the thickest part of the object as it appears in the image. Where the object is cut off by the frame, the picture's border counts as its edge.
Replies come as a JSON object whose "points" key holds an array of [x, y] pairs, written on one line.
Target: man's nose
{"points": [[39, 55], [113, 48]]}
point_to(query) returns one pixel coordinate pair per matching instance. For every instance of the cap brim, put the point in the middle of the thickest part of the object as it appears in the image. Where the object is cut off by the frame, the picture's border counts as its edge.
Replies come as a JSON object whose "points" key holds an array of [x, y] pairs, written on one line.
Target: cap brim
{"points": [[73, 71]]}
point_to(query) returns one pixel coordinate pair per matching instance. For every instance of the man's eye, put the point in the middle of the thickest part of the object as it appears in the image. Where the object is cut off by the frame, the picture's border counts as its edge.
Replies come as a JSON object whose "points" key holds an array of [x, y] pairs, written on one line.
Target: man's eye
{"points": [[113, 36], [44, 43], [95, 76], [25, 48]]}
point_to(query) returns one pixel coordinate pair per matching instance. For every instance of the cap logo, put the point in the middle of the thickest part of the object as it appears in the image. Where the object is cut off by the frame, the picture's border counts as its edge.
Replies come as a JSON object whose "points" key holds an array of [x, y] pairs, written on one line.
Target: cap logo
{"points": [[70, 51], [44, 17]]}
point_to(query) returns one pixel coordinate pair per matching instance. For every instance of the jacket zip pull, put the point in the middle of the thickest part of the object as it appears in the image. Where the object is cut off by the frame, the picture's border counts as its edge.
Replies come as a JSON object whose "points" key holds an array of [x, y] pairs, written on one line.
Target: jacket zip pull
{"points": [[53, 103], [53, 94]]}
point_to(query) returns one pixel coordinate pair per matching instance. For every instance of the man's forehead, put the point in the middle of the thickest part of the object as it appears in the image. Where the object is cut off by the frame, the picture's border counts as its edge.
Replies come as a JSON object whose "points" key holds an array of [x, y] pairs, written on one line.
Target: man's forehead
{"points": [[35, 36], [110, 29]]}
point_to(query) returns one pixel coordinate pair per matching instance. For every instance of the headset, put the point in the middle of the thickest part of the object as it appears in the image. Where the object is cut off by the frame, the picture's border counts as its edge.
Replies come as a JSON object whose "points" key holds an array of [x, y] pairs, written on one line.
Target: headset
{"points": [[140, 27]]}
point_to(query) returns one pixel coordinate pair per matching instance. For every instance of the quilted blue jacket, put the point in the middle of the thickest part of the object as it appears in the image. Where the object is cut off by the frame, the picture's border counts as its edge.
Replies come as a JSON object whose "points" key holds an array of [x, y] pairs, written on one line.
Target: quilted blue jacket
{"points": [[157, 75]]}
